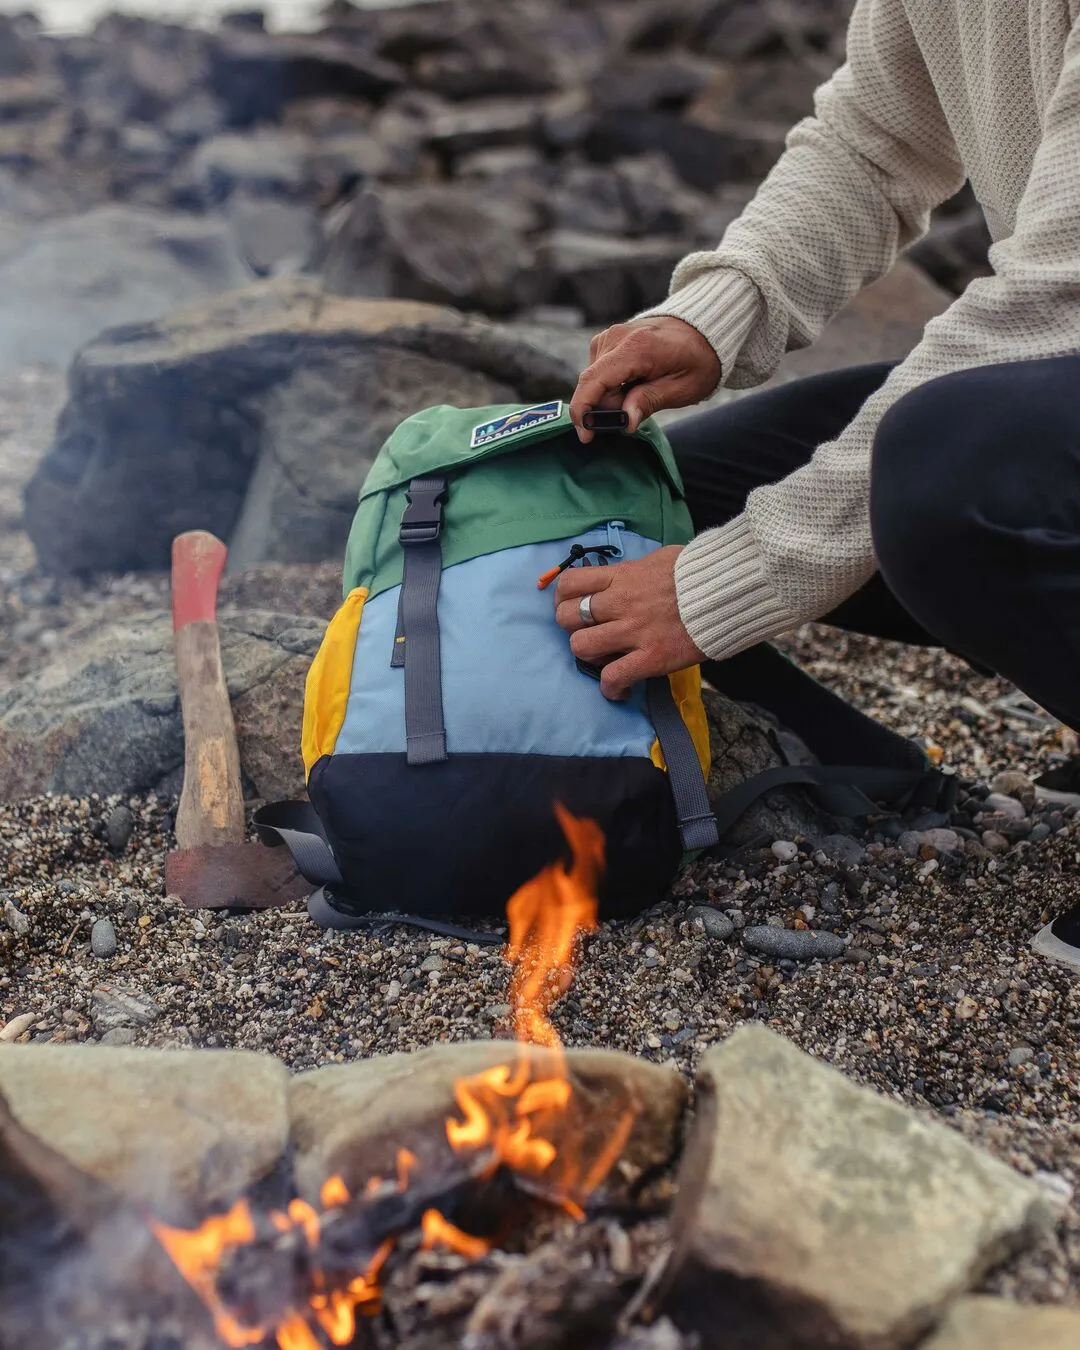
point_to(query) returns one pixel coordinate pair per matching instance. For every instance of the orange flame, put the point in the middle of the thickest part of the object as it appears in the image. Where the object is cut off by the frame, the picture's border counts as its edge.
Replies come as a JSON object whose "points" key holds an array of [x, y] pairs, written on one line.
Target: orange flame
{"points": [[438, 1231], [519, 1112], [517, 1115], [198, 1256]]}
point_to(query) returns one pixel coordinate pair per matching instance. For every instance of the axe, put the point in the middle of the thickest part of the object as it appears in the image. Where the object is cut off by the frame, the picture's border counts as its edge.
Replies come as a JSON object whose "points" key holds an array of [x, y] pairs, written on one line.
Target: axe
{"points": [[214, 865]]}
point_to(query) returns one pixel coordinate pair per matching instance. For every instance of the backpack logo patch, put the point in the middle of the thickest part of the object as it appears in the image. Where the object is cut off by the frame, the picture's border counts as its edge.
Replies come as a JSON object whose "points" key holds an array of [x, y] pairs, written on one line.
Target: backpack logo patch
{"points": [[513, 424]]}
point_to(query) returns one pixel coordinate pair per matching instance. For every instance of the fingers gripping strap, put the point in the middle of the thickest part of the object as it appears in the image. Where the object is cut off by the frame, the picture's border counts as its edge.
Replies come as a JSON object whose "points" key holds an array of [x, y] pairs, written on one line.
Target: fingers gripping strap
{"points": [[417, 642], [697, 824]]}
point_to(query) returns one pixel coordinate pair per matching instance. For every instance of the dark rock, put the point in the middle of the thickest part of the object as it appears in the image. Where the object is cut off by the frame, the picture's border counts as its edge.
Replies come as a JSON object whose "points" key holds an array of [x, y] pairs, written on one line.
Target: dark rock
{"points": [[486, 124], [510, 48], [119, 827], [17, 49], [303, 384], [256, 75], [842, 848], [795, 945], [704, 158], [657, 201], [440, 244], [104, 715], [608, 278], [246, 20], [740, 29], [668, 81], [267, 163], [74, 277], [591, 199]]}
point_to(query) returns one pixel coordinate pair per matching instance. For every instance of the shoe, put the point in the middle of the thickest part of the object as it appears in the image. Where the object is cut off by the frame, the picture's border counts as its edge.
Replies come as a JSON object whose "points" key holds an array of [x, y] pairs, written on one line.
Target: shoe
{"points": [[1060, 786], [1060, 941]]}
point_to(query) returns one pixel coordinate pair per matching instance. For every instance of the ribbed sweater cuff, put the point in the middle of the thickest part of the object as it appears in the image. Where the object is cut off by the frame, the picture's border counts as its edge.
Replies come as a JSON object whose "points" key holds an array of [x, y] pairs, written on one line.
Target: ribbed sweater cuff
{"points": [[725, 600], [722, 305]]}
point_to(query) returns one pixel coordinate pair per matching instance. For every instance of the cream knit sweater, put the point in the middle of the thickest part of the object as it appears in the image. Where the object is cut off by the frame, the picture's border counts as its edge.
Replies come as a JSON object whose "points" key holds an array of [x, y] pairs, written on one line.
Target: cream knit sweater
{"points": [[933, 91]]}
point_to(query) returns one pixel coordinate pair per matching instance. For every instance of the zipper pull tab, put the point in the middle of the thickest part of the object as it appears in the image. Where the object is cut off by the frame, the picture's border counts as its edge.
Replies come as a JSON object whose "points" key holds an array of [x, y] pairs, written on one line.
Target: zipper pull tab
{"points": [[576, 552], [614, 538]]}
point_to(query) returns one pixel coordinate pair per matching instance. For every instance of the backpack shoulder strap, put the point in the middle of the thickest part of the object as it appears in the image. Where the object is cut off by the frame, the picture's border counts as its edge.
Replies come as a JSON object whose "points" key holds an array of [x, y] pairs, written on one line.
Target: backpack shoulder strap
{"points": [[697, 823]]}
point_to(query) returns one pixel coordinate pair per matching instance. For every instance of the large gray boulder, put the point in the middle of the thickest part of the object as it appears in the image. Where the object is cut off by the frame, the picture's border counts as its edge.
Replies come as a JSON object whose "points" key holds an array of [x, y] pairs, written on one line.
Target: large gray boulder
{"points": [[104, 714], [280, 389], [65, 281]]}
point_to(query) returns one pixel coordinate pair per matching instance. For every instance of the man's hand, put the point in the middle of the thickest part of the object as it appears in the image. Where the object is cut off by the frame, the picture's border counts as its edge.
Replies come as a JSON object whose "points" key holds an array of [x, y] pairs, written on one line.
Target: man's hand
{"points": [[638, 631], [669, 364]]}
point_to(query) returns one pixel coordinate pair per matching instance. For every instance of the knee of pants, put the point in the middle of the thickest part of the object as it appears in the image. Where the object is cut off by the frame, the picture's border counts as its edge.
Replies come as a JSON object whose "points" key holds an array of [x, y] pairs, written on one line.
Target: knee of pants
{"points": [[963, 468]]}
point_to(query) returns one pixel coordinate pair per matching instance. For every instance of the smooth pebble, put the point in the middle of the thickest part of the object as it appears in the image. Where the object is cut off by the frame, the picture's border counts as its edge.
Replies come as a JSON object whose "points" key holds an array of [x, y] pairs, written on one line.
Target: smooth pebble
{"points": [[785, 850], [103, 939], [1005, 806], [793, 944], [15, 919], [12, 1030], [119, 827], [715, 924]]}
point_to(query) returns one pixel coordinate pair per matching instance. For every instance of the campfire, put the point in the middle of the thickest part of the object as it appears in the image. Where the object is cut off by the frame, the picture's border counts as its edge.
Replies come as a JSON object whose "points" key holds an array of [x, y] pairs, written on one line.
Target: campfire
{"points": [[303, 1277]]}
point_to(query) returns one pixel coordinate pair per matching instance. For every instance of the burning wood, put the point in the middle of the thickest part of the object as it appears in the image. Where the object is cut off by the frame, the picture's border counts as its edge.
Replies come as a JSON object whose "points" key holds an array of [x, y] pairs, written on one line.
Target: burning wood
{"points": [[304, 1277]]}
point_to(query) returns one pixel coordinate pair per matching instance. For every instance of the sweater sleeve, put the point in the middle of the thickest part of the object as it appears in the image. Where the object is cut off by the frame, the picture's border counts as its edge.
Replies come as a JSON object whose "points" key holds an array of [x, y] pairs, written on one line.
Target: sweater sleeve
{"points": [[804, 544], [854, 186]]}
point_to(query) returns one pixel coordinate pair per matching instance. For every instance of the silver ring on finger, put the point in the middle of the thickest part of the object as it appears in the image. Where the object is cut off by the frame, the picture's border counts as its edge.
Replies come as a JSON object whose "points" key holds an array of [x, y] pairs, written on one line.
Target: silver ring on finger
{"points": [[585, 613]]}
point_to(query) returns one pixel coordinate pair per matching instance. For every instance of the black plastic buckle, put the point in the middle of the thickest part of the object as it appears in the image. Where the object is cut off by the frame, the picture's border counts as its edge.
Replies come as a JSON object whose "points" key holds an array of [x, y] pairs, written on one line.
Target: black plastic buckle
{"points": [[422, 519]]}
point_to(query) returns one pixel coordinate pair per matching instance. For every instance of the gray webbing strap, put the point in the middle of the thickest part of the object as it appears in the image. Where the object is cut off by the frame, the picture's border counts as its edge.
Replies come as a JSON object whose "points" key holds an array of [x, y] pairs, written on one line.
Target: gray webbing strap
{"points": [[418, 623], [697, 824]]}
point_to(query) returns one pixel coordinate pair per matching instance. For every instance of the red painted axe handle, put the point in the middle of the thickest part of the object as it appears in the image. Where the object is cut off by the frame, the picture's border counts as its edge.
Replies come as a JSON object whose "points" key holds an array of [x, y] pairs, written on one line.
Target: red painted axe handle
{"points": [[198, 561]]}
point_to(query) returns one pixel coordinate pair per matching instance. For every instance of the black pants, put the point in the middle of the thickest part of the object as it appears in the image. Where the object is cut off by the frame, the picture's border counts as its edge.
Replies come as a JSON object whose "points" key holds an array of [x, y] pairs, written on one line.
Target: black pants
{"points": [[975, 510]]}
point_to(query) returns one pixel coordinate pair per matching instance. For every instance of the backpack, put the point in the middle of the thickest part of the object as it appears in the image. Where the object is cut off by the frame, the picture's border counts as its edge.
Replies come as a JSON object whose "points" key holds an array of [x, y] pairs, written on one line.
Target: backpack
{"points": [[446, 721], [448, 728]]}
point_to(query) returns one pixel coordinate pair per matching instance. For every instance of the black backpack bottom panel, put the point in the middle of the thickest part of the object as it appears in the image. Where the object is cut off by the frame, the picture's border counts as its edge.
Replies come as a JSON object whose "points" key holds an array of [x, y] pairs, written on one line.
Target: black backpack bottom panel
{"points": [[459, 837]]}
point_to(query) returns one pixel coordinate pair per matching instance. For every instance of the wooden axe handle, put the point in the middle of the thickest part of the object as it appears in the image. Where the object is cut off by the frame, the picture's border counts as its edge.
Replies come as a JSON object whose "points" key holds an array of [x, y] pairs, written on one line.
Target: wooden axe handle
{"points": [[211, 807]]}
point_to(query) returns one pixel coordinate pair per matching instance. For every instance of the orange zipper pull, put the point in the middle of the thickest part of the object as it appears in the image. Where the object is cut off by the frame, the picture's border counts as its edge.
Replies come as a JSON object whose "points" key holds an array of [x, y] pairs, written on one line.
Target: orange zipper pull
{"points": [[548, 577]]}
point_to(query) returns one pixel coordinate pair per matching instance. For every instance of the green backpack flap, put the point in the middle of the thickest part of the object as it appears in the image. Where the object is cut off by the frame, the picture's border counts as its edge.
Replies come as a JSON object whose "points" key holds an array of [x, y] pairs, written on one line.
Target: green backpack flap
{"points": [[445, 715]]}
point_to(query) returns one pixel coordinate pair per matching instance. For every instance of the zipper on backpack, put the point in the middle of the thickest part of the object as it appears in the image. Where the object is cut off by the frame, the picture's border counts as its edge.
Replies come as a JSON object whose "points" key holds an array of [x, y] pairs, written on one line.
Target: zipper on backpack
{"points": [[579, 553]]}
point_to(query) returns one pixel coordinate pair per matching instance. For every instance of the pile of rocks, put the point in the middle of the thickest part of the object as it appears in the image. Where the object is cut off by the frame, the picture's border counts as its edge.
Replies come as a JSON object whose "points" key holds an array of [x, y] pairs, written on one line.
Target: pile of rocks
{"points": [[808, 1211], [187, 209]]}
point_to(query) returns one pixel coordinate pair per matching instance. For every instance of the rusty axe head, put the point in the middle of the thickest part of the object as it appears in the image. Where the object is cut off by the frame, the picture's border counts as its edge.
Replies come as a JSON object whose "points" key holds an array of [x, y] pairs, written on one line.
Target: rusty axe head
{"points": [[214, 866], [234, 876]]}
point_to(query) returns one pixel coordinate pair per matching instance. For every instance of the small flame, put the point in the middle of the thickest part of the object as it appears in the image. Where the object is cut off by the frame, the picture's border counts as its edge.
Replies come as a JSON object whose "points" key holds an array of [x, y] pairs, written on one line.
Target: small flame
{"points": [[547, 915], [519, 1112], [439, 1232]]}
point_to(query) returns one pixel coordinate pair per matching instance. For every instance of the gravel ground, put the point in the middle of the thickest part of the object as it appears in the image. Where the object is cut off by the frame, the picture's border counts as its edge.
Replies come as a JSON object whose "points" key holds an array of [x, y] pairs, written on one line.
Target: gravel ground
{"points": [[936, 999]]}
